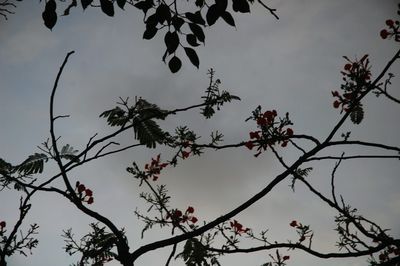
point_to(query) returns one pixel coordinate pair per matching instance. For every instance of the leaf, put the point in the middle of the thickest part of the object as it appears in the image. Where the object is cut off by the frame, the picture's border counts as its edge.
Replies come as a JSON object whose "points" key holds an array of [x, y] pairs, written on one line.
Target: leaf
{"points": [[195, 18], [73, 4], [228, 18], [68, 152], [192, 40], [147, 132], [121, 3], [49, 14], [5, 167], [115, 117], [222, 5], [177, 22], [198, 31], [163, 13], [199, 3], [144, 6], [107, 7], [149, 33], [86, 3], [171, 40], [240, 6], [33, 165], [357, 114], [192, 56], [174, 64], [212, 14]]}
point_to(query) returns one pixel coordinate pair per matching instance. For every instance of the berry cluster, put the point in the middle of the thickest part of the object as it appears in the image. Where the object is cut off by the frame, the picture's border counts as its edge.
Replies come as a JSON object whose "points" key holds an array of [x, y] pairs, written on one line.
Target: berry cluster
{"points": [[392, 31], [238, 227], [154, 168], [177, 216], [271, 131], [84, 194], [356, 75]]}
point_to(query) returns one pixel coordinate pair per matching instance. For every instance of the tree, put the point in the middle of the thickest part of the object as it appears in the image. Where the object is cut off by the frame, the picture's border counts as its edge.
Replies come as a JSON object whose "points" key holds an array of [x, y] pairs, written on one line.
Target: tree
{"points": [[272, 132]]}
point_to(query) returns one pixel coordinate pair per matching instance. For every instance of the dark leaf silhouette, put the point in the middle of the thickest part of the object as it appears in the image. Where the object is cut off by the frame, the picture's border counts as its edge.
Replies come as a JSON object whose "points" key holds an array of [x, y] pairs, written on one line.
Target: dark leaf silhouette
{"points": [[86, 3], [49, 14], [121, 3], [174, 64], [198, 31], [177, 22], [163, 13], [149, 33], [240, 6], [199, 3], [171, 41], [228, 18], [195, 18], [222, 5], [144, 5], [107, 7], [192, 40], [192, 56], [213, 14], [73, 4]]}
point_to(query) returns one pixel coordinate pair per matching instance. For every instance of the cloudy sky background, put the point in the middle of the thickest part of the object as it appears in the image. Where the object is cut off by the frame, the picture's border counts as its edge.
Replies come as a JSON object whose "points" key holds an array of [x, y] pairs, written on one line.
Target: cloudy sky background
{"points": [[290, 65]]}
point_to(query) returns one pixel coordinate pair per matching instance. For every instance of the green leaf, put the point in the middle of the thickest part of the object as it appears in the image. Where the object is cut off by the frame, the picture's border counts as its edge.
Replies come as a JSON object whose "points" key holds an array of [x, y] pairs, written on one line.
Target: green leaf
{"points": [[175, 64], [192, 56], [357, 114], [115, 117], [68, 152], [147, 132], [33, 165], [107, 7]]}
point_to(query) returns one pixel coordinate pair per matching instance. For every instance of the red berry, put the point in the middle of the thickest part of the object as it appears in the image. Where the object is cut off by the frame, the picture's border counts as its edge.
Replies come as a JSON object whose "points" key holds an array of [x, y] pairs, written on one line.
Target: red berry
{"points": [[90, 200], [193, 220], [81, 188], [289, 132], [336, 104], [88, 192], [249, 145], [384, 34], [190, 209], [347, 67], [389, 22]]}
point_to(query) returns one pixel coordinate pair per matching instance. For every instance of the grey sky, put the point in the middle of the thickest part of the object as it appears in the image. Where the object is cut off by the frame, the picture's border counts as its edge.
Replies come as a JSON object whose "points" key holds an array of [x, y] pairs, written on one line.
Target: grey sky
{"points": [[290, 65]]}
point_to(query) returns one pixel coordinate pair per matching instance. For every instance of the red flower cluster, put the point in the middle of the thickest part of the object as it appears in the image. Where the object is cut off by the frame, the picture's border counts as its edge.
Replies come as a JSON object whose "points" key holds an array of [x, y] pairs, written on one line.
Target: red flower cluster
{"points": [[393, 30], [303, 230], [178, 217], [154, 168], [390, 251], [238, 227], [270, 133], [356, 74], [85, 194]]}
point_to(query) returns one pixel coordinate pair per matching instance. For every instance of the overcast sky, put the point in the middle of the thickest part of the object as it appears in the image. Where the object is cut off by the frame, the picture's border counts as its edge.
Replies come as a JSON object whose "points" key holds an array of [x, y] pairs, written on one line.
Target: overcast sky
{"points": [[290, 65]]}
